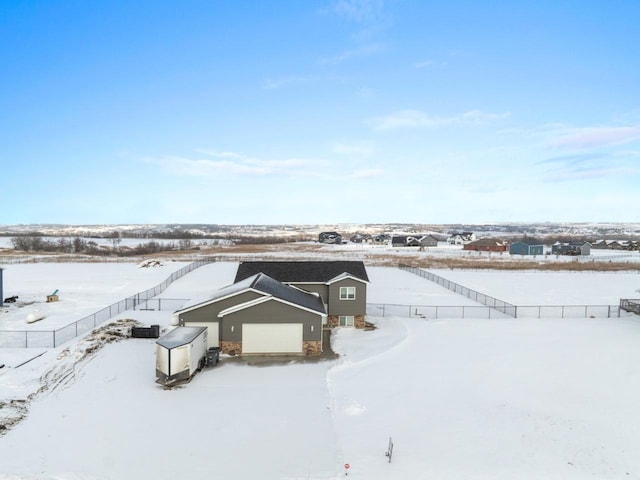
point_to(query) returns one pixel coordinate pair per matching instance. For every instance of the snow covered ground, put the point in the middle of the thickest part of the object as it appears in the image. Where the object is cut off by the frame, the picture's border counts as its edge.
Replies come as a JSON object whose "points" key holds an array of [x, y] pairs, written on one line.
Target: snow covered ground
{"points": [[462, 399], [83, 288], [549, 288]]}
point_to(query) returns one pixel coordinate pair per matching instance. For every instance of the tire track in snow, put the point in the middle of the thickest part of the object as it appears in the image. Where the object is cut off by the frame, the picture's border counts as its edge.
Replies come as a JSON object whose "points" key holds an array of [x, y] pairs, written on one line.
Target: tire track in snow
{"points": [[345, 364]]}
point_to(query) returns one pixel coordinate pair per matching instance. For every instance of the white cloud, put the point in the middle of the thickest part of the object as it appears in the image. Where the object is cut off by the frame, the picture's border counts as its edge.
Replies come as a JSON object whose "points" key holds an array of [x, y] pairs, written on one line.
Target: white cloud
{"points": [[420, 119], [595, 137], [589, 166], [235, 164], [360, 11], [214, 153]]}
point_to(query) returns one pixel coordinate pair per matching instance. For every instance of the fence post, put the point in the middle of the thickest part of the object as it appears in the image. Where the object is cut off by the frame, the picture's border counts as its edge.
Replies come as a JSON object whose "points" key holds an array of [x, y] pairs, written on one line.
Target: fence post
{"points": [[54, 339], [26, 339]]}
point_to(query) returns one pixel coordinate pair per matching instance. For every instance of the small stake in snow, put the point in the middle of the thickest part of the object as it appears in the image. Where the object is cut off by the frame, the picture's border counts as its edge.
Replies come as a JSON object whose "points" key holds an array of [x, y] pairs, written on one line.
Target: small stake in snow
{"points": [[389, 451]]}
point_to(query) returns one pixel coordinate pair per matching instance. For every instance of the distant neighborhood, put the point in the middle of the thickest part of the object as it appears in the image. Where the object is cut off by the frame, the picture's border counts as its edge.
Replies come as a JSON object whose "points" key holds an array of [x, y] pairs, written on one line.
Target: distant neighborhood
{"points": [[469, 241]]}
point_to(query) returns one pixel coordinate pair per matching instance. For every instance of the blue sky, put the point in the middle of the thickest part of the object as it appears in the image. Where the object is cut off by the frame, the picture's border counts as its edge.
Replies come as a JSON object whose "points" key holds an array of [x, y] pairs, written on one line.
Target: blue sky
{"points": [[319, 111]]}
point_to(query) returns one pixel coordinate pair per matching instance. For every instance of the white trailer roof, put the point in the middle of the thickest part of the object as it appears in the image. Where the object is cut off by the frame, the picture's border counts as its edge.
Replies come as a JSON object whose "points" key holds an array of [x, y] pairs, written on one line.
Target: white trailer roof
{"points": [[180, 336]]}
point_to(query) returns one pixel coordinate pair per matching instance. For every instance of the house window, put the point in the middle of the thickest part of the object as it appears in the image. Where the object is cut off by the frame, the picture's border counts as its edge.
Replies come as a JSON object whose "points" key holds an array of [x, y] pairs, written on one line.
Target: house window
{"points": [[346, 321], [347, 293]]}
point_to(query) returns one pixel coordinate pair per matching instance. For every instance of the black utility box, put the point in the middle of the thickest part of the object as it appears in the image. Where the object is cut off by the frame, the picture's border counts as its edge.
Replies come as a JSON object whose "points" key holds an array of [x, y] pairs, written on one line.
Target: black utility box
{"points": [[146, 332]]}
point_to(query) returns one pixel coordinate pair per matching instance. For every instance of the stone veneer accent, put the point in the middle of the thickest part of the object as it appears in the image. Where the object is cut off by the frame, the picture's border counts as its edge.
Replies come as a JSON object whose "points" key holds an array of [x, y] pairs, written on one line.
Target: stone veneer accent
{"points": [[231, 348], [308, 347], [334, 321], [312, 347]]}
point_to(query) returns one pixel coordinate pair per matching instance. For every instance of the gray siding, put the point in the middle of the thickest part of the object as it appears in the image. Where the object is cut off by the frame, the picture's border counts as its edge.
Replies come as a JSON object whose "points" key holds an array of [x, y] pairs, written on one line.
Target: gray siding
{"points": [[520, 248], [270, 312], [209, 313], [347, 307]]}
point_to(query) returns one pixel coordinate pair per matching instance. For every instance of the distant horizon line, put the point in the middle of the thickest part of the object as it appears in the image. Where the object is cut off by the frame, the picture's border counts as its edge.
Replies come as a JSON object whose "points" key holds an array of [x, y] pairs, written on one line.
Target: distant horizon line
{"points": [[281, 224]]}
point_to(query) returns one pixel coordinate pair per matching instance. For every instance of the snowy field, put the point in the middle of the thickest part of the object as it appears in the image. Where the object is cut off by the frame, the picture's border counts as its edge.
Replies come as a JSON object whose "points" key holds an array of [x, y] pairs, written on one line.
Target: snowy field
{"points": [[5, 242], [462, 399], [549, 288], [83, 288]]}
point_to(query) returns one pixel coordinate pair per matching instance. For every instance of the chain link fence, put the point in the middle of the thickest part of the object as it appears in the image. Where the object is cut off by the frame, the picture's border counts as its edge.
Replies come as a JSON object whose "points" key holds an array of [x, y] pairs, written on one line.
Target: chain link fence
{"points": [[432, 311], [516, 311], [491, 302], [141, 301]]}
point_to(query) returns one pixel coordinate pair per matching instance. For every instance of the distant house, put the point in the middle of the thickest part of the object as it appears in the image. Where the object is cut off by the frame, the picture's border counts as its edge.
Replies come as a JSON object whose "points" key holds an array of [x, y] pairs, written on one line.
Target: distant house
{"points": [[428, 241], [399, 240], [461, 238], [330, 237], [415, 240], [526, 247], [571, 248], [361, 238], [381, 239], [487, 245], [615, 244]]}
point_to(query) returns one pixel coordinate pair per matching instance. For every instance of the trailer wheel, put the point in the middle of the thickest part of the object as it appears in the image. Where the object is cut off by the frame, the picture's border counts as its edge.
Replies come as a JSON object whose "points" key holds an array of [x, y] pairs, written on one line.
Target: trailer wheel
{"points": [[201, 363]]}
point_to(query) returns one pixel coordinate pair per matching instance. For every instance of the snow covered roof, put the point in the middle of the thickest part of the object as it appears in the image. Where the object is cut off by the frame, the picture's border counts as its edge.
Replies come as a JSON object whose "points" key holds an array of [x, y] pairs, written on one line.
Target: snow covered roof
{"points": [[488, 242], [262, 283], [180, 336], [528, 241]]}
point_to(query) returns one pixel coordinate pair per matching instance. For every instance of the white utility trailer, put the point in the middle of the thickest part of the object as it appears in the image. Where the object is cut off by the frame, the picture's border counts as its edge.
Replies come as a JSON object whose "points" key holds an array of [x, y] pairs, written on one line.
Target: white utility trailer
{"points": [[180, 354]]}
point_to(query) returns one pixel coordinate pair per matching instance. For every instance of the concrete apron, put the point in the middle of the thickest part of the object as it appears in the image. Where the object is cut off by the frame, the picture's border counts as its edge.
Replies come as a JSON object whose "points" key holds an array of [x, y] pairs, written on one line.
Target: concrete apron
{"points": [[255, 360]]}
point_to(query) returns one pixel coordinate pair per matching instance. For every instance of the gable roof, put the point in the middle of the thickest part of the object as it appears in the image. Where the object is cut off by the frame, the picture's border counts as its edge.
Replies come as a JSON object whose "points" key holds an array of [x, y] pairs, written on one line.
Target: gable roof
{"points": [[488, 242], [531, 243], [267, 286], [302, 272], [269, 298]]}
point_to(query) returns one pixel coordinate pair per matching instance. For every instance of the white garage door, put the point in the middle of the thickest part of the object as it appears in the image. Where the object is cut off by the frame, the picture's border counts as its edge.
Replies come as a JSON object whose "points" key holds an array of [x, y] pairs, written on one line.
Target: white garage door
{"points": [[212, 333], [272, 338]]}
